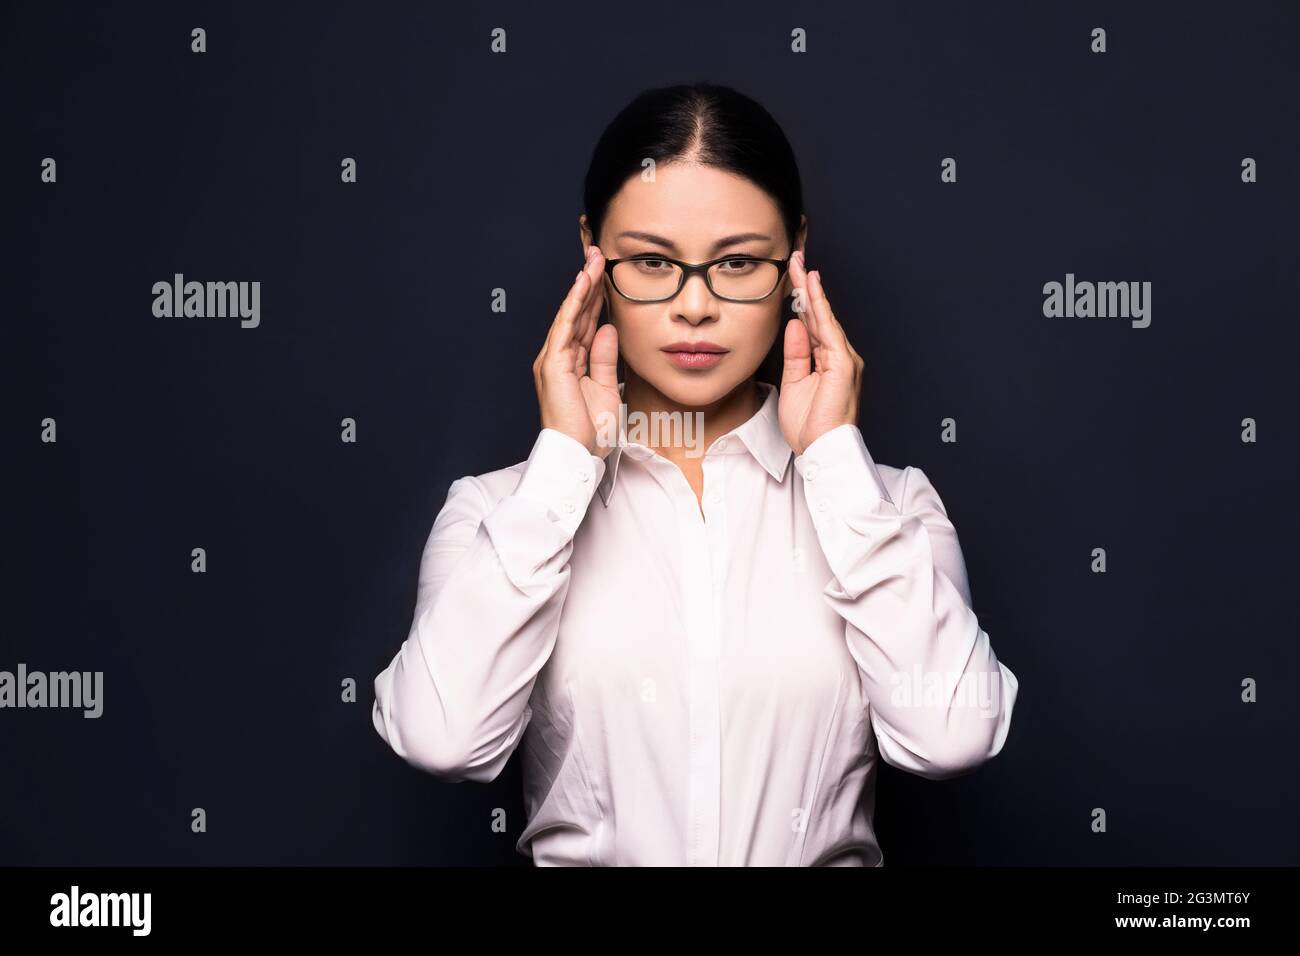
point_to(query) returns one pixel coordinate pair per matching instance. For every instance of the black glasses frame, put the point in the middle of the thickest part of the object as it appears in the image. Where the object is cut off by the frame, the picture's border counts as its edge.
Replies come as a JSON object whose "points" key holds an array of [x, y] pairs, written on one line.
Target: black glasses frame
{"points": [[689, 270]]}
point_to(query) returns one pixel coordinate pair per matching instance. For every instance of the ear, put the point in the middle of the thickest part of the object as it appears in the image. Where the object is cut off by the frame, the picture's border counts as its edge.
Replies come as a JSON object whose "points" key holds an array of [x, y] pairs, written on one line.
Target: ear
{"points": [[584, 234], [800, 241]]}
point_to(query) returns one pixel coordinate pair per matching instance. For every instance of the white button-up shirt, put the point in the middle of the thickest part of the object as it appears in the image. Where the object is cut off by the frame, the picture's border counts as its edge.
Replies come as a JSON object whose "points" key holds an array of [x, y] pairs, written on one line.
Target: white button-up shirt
{"points": [[696, 688]]}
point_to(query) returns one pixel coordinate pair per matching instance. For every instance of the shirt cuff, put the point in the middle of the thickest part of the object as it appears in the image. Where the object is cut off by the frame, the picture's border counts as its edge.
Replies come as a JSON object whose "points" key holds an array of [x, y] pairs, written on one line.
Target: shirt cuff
{"points": [[850, 506], [561, 475], [841, 480]]}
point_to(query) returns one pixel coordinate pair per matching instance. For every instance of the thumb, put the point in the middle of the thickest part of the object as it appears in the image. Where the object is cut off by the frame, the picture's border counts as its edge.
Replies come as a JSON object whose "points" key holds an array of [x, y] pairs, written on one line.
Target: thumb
{"points": [[798, 353], [602, 365]]}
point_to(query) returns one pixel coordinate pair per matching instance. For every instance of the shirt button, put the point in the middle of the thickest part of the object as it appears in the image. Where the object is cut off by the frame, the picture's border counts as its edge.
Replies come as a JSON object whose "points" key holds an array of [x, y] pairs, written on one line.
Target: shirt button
{"points": [[567, 506], [810, 472], [583, 476], [716, 497], [722, 444], [823, 505]]}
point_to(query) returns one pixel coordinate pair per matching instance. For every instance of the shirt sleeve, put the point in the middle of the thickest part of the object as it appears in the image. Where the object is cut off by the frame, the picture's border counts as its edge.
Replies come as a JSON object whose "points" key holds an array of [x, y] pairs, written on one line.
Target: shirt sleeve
{"points": [[940, 700], [492, 583]]}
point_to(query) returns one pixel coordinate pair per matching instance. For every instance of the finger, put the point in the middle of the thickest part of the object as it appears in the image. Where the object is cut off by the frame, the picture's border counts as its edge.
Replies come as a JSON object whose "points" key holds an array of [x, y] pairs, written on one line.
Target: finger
{"points": [[561, 331], [590, 318], [591, 271], [826, 312], [797, 352], [838, 352], [818, 307], [803, 297], [798, 270], [830, 332], [604, 357], [799, 282]]}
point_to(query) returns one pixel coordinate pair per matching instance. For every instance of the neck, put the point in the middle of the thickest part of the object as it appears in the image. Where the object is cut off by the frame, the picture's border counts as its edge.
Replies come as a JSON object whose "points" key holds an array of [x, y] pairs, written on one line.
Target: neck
{"points": [[730, 411]]}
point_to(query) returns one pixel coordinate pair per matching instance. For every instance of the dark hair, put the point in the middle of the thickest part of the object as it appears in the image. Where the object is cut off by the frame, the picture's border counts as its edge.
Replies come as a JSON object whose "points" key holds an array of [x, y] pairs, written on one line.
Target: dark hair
{"points": [[709, 124]]}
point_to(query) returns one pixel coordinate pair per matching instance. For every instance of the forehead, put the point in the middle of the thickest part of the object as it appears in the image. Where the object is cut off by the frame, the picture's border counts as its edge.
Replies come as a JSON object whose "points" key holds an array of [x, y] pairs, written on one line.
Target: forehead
{"points": [[691, 203]]}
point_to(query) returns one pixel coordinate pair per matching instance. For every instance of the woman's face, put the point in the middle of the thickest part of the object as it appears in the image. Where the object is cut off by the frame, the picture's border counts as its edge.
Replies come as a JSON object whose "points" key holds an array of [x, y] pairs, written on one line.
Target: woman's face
{"points": [[694, 213]]}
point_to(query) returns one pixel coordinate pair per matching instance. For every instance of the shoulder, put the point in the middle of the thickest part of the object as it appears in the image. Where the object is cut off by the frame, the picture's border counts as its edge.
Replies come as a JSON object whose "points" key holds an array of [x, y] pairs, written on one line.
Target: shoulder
{"points": [[481, 493], [911, 489], [558, 469], [907, 488], [918, 492], [894, 479], [470, 499]]}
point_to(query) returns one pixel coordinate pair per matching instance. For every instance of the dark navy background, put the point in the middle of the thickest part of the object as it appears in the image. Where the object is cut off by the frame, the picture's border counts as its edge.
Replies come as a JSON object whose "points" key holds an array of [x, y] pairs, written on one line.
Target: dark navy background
{"points": [[222, 690]]}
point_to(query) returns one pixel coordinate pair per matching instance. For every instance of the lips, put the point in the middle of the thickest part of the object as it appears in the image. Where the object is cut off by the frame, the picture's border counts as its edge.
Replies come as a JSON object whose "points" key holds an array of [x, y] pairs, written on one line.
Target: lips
{"points": [[695, 355], [700, 346]]}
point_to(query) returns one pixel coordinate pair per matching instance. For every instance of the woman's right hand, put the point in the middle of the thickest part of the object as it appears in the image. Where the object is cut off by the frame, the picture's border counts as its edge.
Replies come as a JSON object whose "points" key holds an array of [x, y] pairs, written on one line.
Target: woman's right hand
{"points": [[576, 372]]}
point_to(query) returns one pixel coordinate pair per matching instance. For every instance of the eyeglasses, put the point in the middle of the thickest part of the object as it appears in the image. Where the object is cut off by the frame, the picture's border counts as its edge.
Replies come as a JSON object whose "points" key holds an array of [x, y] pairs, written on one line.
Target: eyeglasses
{"points": [[655, 278]]}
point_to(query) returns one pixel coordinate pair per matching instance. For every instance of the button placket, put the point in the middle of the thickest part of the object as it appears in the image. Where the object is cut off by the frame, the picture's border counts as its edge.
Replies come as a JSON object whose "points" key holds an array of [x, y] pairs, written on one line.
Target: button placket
{"points": [[704, 761], [716, 471]]}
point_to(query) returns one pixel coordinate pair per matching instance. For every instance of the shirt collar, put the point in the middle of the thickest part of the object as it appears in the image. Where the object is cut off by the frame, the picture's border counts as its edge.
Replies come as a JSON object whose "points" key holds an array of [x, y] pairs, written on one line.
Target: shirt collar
{"points": [[760, 437]]}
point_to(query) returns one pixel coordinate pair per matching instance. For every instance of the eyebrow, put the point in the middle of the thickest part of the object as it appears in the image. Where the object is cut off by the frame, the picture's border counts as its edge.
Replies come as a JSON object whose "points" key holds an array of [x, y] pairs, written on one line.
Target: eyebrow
{"points": [[717, 246]]}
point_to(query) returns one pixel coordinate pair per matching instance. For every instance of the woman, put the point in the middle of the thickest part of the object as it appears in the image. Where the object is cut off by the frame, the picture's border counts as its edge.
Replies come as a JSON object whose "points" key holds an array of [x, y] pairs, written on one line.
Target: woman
{"points": [[701, 635]]}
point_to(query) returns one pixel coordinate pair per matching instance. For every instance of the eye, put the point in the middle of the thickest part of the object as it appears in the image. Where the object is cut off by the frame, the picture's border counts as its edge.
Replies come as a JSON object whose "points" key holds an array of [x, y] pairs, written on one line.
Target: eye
{"points": [[737, 266], [653, 265]]}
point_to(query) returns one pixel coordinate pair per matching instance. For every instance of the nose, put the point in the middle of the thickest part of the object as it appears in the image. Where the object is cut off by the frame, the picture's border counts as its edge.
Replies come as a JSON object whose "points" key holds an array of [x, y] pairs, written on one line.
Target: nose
{"points": [[695, 303]]}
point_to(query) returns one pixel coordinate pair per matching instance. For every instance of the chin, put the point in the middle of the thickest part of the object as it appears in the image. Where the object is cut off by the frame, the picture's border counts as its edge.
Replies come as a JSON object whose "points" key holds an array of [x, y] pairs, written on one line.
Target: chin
{"points": [[702, 388]]}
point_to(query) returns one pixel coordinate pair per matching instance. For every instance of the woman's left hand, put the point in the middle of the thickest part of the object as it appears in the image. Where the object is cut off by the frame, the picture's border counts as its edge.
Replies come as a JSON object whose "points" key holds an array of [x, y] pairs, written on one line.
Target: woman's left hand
{"points": [[813, 401]]}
